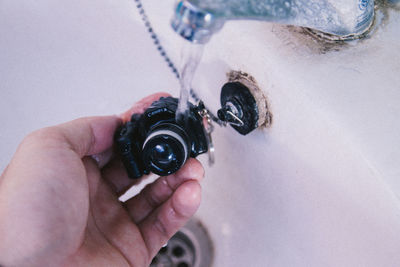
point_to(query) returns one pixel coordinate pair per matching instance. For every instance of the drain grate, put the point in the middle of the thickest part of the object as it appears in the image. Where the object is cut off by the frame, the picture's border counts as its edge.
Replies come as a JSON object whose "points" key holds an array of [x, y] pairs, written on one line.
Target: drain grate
{"points": [[178, 252], [190, 247]]}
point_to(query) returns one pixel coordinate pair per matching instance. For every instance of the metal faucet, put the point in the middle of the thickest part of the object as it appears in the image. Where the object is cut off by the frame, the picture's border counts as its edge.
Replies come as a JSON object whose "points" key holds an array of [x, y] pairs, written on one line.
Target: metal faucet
{"points": [[198, 20]]}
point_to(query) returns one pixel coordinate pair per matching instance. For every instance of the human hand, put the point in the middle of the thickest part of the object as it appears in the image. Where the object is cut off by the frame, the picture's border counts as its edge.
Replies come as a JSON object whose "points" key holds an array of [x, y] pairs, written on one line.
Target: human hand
{"points": [[59, 206]]}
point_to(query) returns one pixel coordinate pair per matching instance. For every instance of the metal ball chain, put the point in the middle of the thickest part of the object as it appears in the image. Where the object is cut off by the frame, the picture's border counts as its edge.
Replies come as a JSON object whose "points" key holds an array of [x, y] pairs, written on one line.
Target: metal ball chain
{"points": [[155, 38]]}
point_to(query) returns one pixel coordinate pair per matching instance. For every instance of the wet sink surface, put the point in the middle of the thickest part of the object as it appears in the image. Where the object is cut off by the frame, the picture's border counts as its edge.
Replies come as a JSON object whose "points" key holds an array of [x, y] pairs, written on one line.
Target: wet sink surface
{"points": [[319, 188]]}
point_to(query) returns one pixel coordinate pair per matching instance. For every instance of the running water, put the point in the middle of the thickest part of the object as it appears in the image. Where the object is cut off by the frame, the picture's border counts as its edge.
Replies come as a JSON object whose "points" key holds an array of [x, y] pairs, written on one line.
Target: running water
{"points": [[191, 56]]}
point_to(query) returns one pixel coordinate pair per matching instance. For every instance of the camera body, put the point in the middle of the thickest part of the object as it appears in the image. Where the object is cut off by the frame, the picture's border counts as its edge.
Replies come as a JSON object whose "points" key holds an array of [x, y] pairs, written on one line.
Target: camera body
{"points": [[155, 142]]}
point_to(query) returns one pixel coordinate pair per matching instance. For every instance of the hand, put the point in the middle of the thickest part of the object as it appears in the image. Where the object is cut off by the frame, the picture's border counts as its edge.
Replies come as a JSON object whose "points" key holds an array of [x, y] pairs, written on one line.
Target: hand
{"points": [[58, 206]]}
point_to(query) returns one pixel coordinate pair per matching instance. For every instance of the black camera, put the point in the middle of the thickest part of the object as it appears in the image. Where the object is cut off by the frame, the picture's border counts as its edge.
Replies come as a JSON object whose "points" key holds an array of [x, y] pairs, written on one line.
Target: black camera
{"points": [[156, 142]]}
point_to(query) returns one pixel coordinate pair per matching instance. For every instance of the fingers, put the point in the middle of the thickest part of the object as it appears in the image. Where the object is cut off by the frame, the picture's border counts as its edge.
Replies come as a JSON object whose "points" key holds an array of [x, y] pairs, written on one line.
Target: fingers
{"points": [[153, 195], [166, 220], [111, 224], [166, 205], [142, 105]]}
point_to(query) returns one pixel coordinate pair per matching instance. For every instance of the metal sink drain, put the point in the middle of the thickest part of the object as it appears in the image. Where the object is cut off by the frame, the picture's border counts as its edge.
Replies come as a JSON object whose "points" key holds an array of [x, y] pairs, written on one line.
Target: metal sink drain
{"points": [[190, 247]]}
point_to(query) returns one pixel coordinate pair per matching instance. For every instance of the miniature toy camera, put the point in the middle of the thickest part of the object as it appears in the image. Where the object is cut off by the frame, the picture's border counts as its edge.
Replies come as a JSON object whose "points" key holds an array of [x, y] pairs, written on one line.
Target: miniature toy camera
{"points": [[155, 142]]}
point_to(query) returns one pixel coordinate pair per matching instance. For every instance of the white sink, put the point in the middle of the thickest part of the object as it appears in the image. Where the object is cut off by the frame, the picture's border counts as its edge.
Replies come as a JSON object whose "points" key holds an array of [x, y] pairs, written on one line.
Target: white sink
{"points": [[318, 188]]}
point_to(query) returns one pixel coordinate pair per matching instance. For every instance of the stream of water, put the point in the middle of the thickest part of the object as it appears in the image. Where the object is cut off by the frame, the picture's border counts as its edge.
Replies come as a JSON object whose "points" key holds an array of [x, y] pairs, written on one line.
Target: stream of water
{"points": [[190, 58]]}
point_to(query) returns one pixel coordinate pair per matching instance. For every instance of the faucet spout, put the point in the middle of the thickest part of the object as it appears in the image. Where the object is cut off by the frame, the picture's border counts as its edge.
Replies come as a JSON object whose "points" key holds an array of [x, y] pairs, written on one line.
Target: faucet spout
{"points": [[194, 23], [198, 20]]}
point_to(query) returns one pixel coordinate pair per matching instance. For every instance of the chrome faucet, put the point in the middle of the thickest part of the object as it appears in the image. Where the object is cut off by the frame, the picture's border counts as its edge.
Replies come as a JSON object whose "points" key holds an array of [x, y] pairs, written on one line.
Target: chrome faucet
{"points": [[198, 20]]}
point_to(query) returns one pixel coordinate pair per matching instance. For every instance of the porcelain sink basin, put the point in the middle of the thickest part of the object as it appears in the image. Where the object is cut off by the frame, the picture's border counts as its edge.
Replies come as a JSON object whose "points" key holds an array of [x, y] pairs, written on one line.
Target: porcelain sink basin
{"points": [[319, 187]]}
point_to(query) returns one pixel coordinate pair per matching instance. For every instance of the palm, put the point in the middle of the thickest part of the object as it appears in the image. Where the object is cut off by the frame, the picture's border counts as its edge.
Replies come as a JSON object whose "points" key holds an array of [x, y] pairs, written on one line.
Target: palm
{"points": [[110, 237]]}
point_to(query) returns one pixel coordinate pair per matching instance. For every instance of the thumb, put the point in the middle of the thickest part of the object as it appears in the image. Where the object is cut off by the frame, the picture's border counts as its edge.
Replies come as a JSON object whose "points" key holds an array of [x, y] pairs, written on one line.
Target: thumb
{"points": [[85, 136]]}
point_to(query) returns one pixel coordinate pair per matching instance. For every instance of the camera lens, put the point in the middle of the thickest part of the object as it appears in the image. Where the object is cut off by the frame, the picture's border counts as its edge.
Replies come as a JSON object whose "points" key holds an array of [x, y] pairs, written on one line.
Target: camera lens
{"points": [[165, 149], [163, 154]]}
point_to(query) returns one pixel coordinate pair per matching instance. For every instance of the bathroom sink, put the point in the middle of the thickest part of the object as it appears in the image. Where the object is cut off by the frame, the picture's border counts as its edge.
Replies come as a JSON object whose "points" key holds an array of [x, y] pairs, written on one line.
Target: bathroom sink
{"points": [[319, 187]]}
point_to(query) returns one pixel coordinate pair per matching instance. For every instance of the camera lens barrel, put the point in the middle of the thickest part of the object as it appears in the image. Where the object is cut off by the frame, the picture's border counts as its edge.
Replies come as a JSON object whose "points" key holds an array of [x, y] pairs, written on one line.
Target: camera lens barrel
{"points": [[165, 149]]}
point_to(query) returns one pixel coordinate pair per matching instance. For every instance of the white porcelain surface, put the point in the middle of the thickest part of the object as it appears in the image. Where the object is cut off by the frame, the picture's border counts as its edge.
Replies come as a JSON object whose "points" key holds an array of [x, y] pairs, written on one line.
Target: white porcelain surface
{"points": [[319, 188]]}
